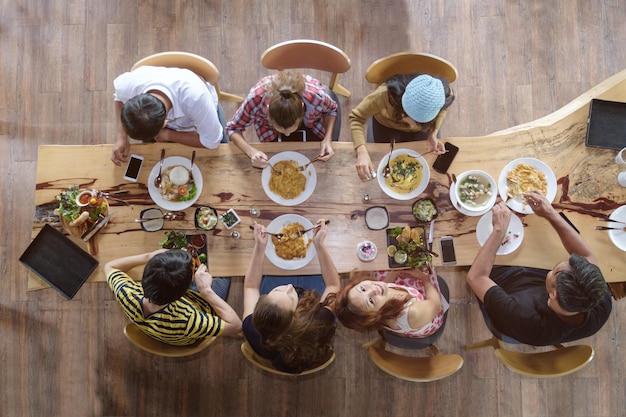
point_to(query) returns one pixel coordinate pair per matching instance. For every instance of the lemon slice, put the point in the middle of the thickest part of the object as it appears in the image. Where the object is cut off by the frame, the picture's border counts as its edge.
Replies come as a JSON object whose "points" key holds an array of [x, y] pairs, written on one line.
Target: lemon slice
{"points": [[400, 257], [391, 250]]}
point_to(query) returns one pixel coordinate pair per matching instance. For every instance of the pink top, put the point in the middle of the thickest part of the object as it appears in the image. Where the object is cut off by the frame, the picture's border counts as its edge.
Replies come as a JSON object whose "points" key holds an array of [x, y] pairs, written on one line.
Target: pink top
{"points": [[415, 288]]}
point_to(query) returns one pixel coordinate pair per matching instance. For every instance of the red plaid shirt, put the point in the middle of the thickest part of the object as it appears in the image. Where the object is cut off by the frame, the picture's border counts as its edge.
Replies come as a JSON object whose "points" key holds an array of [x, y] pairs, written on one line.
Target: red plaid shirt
{"points": [[254, 110]]}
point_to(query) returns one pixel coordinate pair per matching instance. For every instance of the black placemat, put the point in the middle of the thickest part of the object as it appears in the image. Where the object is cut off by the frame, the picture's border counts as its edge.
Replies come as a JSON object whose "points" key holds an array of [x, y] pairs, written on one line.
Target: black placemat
{"points": [[58, 261], [606, 127]]}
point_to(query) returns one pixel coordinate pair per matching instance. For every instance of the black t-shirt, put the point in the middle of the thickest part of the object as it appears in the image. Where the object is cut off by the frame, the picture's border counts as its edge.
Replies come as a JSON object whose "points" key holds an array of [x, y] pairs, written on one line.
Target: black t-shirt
{"points": [[518, 307], [254, 338]]}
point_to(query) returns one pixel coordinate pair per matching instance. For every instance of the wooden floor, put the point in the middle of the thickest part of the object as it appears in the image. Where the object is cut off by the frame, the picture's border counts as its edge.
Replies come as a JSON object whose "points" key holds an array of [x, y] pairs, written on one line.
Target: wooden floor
{"points": [[518, 60]]}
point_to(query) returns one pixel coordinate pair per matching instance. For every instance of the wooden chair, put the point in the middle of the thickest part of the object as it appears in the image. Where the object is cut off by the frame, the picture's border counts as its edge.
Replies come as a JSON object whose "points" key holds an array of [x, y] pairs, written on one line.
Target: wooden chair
{"points": [[144, 342], [412, 368], [410, 63], [558, 362], [311, 54], [201, 66], [266, 364]]}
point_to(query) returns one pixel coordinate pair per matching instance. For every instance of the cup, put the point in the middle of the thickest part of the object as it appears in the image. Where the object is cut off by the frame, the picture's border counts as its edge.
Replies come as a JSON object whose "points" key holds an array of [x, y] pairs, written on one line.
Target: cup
{"points": [[621, 178], [621, 157]]}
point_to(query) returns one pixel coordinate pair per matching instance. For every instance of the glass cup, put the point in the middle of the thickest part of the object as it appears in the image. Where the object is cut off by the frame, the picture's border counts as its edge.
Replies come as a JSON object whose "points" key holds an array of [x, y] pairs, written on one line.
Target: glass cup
{"points": [[621, 178], [621, 157], [254, 212]]}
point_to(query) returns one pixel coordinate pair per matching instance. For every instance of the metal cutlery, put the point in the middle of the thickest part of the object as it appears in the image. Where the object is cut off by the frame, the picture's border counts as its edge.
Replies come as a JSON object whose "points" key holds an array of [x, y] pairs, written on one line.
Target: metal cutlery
{"points": [[274, 170], [611, 221], [305, 166], [623, 229], [278, 236], [387, 169], [159, 178], [193, 158]]}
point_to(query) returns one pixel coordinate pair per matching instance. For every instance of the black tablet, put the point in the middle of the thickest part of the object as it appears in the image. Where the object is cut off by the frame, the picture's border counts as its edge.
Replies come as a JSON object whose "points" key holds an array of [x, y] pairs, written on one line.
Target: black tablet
{"points": [[606, 127], [59, 261]]}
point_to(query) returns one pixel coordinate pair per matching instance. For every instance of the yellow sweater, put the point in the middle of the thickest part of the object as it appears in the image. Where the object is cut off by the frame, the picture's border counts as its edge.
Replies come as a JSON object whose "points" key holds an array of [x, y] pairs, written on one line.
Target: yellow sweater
{"points": [[377, 105]]}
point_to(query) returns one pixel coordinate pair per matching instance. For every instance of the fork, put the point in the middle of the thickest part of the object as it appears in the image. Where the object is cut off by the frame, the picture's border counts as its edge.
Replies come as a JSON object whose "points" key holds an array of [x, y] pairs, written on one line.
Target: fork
{"points": [[278, 236], [305, 166], [623, 229], [302, 232], [274, 170]]}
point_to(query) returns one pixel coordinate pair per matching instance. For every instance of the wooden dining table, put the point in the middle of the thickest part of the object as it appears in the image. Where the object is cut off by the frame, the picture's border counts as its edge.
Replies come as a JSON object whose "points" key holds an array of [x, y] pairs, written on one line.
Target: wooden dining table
{"points": [[586, 177]]}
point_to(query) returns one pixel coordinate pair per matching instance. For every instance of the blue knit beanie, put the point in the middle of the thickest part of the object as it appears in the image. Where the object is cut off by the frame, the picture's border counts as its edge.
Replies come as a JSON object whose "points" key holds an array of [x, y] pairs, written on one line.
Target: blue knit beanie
{"points": [[423, 98]]}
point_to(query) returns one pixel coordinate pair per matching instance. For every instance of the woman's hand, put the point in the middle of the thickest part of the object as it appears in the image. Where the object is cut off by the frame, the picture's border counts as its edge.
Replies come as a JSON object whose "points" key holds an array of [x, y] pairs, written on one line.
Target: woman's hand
{"points": [[319, 233], [434, 144], [259, 159], [260, 234], [364, 165], [326, 150]]}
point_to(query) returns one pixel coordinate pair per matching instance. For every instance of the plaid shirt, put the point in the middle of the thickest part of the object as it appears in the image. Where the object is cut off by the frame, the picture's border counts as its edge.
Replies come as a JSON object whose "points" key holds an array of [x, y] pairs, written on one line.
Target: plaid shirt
{"points": [[254, 110]]}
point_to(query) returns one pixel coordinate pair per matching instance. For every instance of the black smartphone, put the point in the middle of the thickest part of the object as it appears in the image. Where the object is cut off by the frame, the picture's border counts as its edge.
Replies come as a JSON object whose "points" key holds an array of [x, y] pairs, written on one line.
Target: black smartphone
{"points": [[443, 161], [448, 256], [134, 166]]}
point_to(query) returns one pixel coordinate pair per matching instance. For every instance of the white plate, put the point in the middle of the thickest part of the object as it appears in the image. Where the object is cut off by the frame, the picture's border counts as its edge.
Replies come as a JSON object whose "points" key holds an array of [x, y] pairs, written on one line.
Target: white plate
{"points": [[618, 237], [309, 173], [517, 204], [462, 210], [421, 186], [156, 195], [515, 232], [276, 226]]}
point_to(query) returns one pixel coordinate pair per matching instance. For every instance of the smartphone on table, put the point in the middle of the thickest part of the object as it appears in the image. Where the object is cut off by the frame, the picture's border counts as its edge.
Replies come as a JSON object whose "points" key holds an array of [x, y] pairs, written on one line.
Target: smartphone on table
{"points": [[134, 166], [443, 161], [448, 255]]}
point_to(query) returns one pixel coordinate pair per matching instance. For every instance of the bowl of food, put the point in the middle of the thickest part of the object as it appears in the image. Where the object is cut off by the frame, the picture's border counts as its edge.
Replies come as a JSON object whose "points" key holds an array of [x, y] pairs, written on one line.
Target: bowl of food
{"points": [[205, 218], [424, 210], [476, 191], [78, 215]]}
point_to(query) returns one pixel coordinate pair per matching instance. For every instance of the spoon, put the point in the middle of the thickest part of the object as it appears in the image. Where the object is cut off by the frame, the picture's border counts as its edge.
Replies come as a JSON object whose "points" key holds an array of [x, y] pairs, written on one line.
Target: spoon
{"points": [[387, 169], [166, 216], [193, 158], [305, 166], [278, 236], [157, 180], [302, 232]]}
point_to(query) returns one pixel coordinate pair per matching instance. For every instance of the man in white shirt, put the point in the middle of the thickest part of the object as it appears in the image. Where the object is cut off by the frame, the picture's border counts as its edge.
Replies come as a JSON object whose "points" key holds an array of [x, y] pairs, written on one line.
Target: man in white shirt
{"points": [[165, 105]]}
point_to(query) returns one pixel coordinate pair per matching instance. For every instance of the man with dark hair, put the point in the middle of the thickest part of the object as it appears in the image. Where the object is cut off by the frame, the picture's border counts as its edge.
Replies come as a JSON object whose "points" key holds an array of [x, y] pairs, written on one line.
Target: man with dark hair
{"points": [[535, 306], [164, 306], [165, 105]]}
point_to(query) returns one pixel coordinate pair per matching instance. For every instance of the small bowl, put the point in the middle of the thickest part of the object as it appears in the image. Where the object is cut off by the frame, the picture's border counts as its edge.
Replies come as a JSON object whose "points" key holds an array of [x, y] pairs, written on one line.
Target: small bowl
{"points": [[376, 218], [366, 251], [424, 216], [83, 199], [152, 225], [487, 182], [205, 218], [230, 219]]}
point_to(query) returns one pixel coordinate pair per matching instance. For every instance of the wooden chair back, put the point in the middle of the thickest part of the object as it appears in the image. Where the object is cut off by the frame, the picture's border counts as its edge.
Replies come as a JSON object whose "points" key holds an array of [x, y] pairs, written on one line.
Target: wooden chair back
{"points": [[410, 63], [550, 364], [310, 54], [412, 368], [266, 364], [199, 65], [144, 342]]}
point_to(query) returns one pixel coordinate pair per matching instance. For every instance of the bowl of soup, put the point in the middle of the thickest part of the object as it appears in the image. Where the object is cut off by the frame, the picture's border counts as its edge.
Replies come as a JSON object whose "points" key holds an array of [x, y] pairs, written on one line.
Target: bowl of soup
{"points": [[476, 190]]}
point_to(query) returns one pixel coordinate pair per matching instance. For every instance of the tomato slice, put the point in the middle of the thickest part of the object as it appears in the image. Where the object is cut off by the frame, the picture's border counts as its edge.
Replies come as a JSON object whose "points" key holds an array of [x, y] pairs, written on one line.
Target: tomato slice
{"points": [[182, 190]]}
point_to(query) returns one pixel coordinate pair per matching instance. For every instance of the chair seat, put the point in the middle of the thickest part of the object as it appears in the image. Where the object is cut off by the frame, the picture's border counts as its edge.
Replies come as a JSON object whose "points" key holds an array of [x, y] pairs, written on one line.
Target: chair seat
{"points": [[410, 368], [144, 342], [410, 63], [550, 364], [266, 364]]}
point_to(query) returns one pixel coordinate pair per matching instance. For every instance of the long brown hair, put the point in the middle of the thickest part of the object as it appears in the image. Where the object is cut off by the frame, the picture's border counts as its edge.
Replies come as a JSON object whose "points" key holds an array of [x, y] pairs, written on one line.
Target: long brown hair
{"points": [[306, 341], [353, 318], [286, 106]]}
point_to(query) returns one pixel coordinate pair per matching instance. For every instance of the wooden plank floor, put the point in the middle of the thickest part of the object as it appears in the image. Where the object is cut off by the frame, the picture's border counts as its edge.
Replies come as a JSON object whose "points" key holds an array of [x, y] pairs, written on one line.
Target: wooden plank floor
{"points": [[517, 60]]}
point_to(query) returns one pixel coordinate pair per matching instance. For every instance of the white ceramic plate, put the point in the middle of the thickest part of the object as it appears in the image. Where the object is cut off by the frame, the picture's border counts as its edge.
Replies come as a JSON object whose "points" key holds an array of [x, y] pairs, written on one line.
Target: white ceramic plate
{"points": [[276, 226], [517, 204], [618, 237], [156, 195], [311, 178], [455, 203], [513, 238], [421, 186]]}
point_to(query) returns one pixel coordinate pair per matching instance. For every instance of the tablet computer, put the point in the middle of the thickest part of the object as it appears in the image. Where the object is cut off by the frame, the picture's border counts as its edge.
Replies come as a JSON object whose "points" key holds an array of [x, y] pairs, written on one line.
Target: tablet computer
{"points": [[606, 126], [59, 261]]}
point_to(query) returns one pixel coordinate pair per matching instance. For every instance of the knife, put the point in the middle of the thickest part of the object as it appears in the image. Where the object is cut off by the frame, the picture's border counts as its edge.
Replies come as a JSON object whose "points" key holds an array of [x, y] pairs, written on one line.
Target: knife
{"points": [[96, 227], [430, 234]]}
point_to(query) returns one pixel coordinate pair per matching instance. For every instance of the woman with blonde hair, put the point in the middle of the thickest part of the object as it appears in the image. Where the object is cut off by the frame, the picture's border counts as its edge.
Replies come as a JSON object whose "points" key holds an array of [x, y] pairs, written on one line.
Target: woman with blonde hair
{"points": [[280, 104]]}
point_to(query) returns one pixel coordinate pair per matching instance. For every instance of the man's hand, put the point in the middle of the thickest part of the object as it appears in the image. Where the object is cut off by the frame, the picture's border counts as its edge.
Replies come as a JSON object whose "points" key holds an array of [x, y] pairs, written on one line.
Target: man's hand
{"points": [[121, 151], [203, 279], [539, 203], [500, 217]]}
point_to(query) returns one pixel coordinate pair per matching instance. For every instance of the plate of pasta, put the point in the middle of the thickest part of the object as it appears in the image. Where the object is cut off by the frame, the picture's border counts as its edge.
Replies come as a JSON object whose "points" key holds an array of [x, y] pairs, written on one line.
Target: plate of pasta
{"points": [[178, 189], [292, 251], [522, 175], [409, 174], [291, 187]]}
